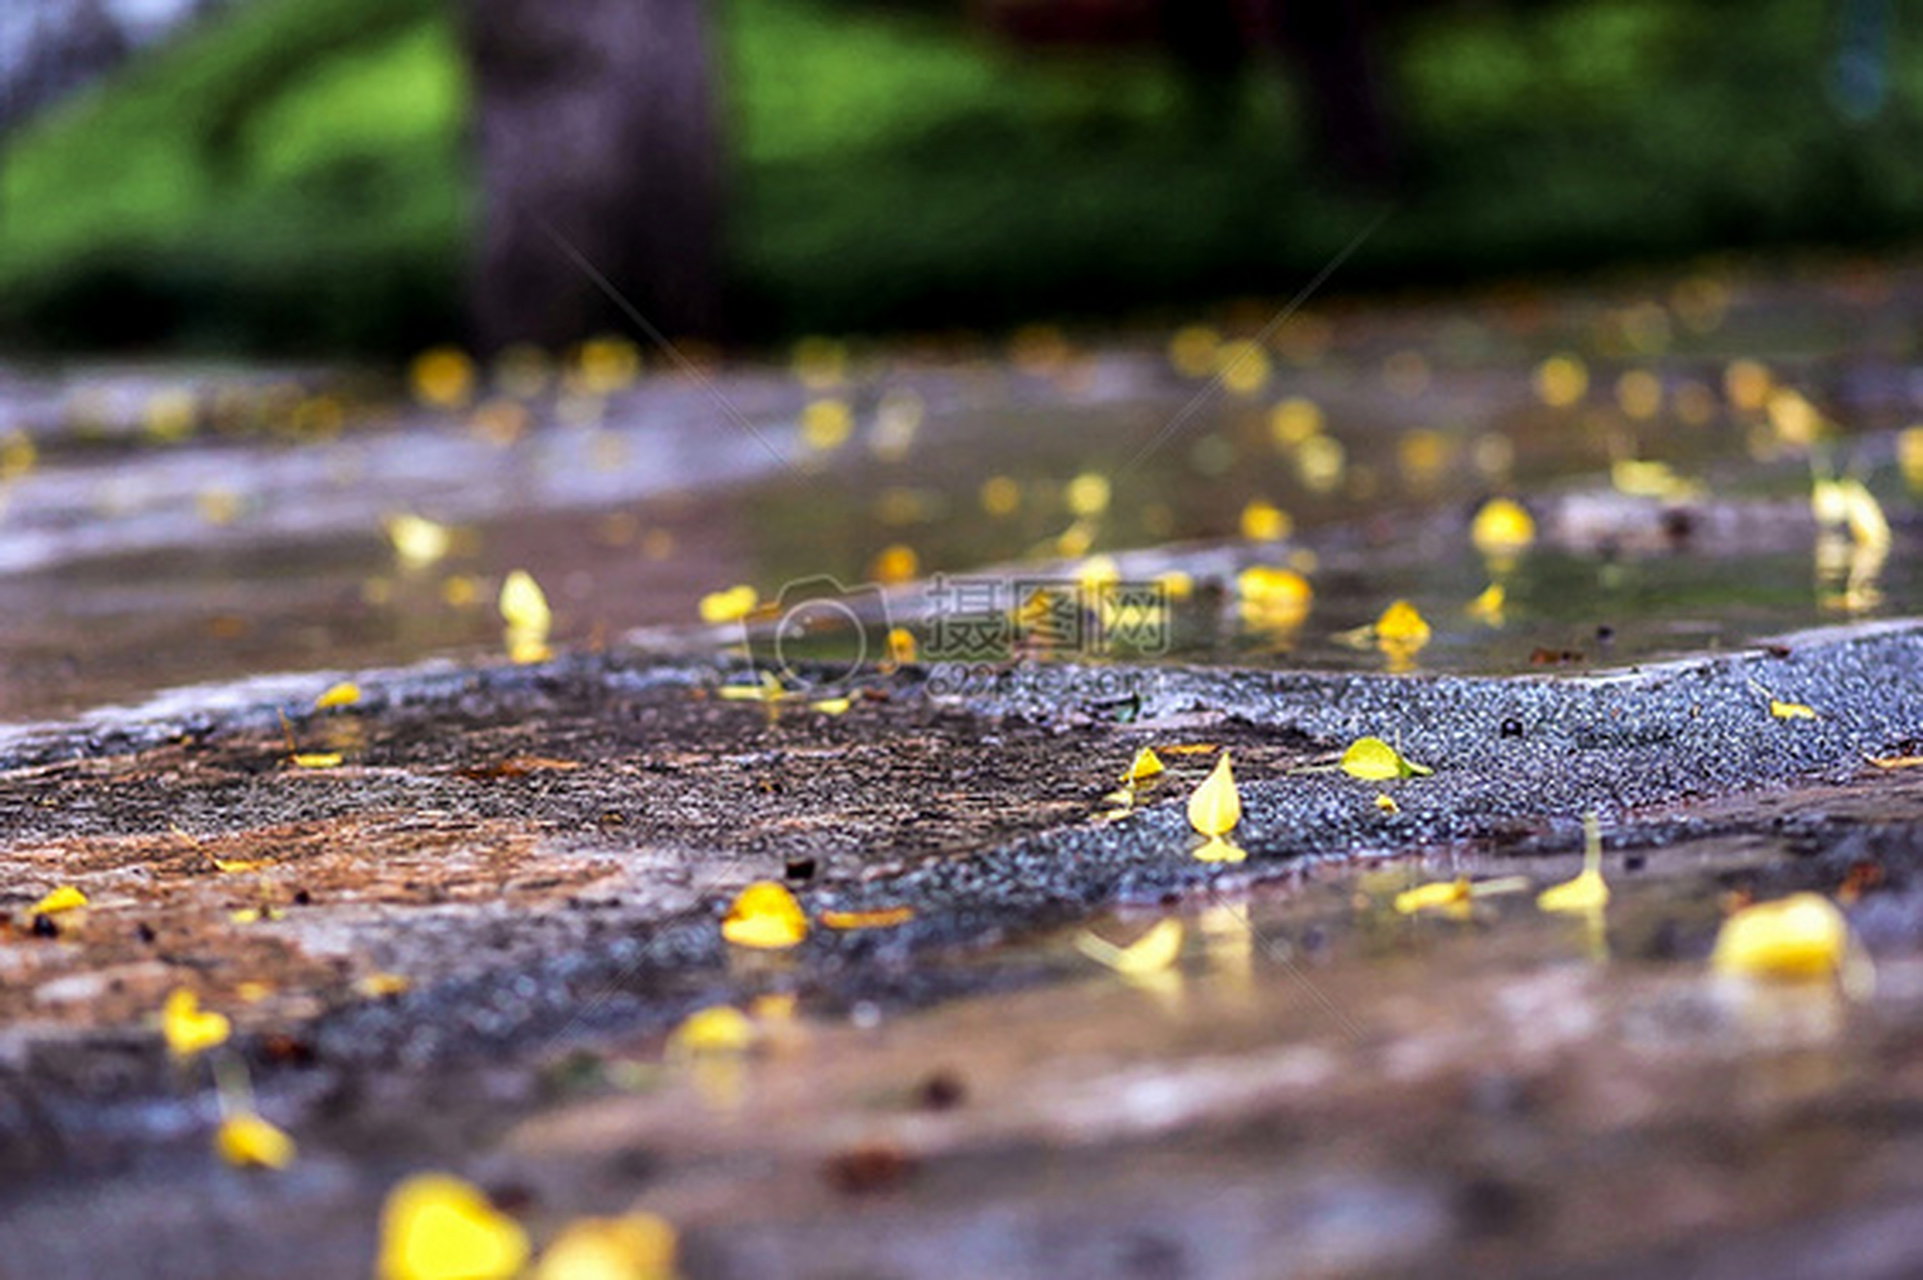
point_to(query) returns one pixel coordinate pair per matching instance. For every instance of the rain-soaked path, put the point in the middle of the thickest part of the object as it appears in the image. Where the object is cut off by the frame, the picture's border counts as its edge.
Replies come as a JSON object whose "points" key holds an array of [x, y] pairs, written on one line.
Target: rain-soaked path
{"points": [[462, 944]]}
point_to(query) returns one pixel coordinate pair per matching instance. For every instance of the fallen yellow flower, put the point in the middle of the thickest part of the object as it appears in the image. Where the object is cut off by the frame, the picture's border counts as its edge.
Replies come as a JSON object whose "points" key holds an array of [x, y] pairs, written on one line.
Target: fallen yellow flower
{"points": [[1374, 760], [731, 605], [246, 1141], [438, 1227], [721, 1029], [1153, 952], [1790, 710], [639, 1246], [344, 694], [316, 759], [881, 918], [1502, 526], [1145, 765], [189, 1029], [63, 898], [1587, 891], [1800, 937], [1216, 849], [418, 541], [523, 604], [1433, 897], [1263, 521], [1489, 605], [1215, 807], [765, 916], [1401, 625]]}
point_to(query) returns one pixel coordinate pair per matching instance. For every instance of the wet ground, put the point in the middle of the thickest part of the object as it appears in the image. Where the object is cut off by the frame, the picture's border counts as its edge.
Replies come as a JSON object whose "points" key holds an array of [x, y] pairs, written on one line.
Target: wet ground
{"points": [[464, 944]]}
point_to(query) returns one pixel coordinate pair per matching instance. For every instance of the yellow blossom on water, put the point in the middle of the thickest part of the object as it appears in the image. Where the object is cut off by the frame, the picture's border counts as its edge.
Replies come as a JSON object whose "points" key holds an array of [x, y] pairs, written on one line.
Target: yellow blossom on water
{"points": [[1802, 936], [1846, 503], [246, 1141], [1087, 494], [1796, 421], [442, 377], [523, 604], [316, 759], [1000, 496], [1639, 394], [1374, 760], [639, 1246], [1273, 599], [1244, 367], [1153, 952], [765, 916], [1263, 521], [1747, 383], [1193, 350], [1294, 421], [901, 645], [418, 541], [1215, 806], [63, 898], [439, 1227], [188, 1028], [1177, 584], [1401, 627], [731, 605], [1320, 462], [604, 365], [1145, 765], [1561, 380], [1588, 891], [1502, 526], [1440, 895], [827, 424], [720, 1029], [895, 564], [1489, 605], [344, 694]]}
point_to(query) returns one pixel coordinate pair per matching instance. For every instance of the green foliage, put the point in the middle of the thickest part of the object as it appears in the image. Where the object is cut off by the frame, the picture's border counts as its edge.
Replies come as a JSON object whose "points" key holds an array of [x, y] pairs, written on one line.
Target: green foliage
{"points": [[295, 176]]}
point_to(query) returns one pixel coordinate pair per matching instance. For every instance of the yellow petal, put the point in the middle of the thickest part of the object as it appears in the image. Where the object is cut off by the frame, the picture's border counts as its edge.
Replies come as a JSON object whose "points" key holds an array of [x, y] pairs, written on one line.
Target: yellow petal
{"points": [[418, 541], [523, 604], [1087, 494], [1433, 897], [639, 1246], [901, 646], [189, 1029], [1585, 892], [1488, 606], [1895, 762], [765, 916], [1790, 710], [731, 605], [438, 1227], [316, 759], [881, 918], [1387, 803], [1401, 624], [1153, 952], [63, 898], [1145, 765], [1216, 849], [1215, 807], [380, 985], [722, 1029], [1802, 936], [1374, 760], [1501, 526], [246, 1141], [1263, 585], [831, 706], [1265, 522], [344, 694]]}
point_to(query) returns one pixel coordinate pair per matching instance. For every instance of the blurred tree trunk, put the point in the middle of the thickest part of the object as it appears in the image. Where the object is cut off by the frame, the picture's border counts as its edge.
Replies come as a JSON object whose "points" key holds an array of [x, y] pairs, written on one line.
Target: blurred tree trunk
{"points": [[596, 126]]}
